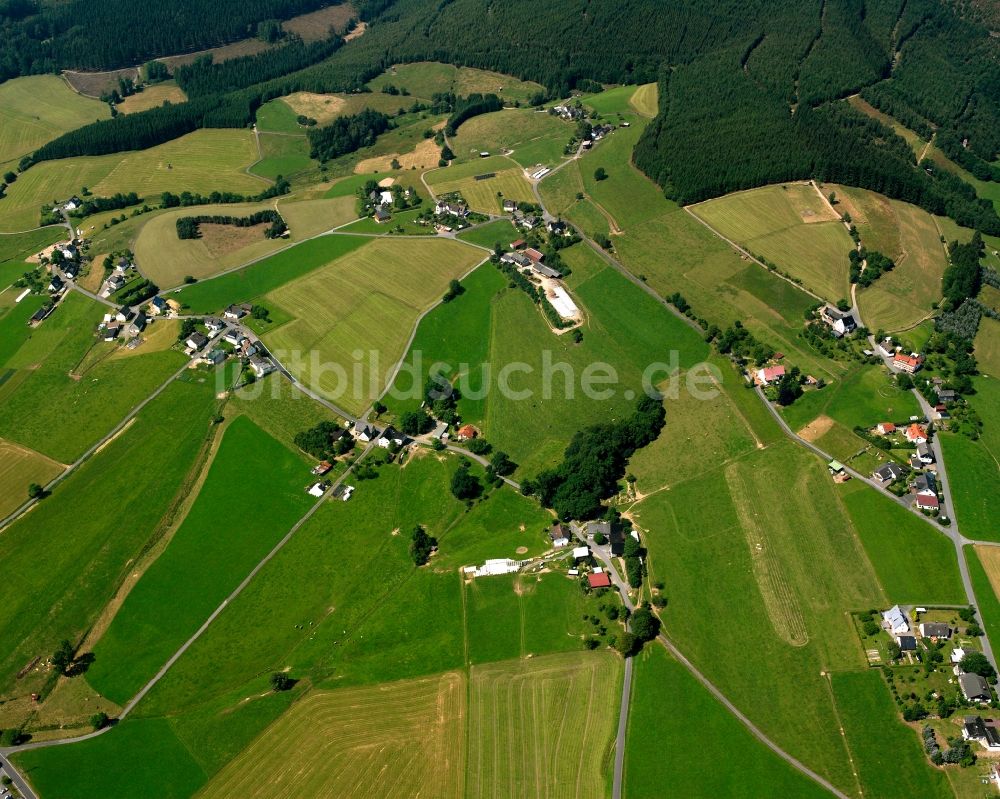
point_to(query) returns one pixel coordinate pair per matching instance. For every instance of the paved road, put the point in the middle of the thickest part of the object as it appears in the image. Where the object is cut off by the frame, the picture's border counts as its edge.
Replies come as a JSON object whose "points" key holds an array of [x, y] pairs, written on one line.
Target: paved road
{"points": [[19, 782]]}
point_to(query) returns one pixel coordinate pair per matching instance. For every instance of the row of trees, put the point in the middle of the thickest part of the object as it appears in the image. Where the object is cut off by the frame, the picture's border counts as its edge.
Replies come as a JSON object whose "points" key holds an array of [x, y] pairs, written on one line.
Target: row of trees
{"points": [[189, 227]]}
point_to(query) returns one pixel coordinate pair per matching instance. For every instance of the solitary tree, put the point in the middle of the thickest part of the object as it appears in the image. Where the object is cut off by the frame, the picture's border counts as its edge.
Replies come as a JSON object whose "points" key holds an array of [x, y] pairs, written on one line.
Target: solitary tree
{"points": [[600, 173], [627, 644], [465, 485], [421, 545], [645, 625], [281, 681], [35, 491], [99, 720], [62, 659]]}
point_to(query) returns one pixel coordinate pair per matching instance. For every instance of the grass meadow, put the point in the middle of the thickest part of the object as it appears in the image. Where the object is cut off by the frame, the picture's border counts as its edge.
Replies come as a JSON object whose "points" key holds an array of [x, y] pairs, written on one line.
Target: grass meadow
{"points": [[984, 569], [67, 557], [910, 237], [540, 135], [233, 523], [487, 235], [19, 468], [67, 390], [152, 97], [553, 717], [206, 160], [770, 528], [282, 155], [791, 226], [404, 738], [39, 108], [259, 278], [423, 79], [669, 710], [887, 754], [988, 347], [367, 301]]}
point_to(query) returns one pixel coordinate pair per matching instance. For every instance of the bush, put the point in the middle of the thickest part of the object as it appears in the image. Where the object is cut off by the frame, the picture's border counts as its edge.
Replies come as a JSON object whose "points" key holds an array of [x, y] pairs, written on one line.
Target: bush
{"points": [[281, 681], [99, 720], [421, 545]]}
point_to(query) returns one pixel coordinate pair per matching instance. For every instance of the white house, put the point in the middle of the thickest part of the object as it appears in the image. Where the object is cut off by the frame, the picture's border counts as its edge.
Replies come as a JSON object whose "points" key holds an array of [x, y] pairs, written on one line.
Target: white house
{"points": [[579, 553], [390, 436], [894, 620], [317, 489], [363, 431]]}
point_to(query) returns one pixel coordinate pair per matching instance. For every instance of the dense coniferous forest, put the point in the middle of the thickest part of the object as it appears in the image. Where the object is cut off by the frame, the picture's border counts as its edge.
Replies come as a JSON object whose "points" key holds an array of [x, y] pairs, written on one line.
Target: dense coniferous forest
{"points": [[40, 37], [751, 91], [347, 134]]}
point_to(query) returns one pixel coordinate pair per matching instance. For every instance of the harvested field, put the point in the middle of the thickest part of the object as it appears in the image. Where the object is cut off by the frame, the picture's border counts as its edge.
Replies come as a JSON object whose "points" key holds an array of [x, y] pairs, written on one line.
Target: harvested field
{"points": [[396, 739], [817, 428], [424, 156], [645, 100], [222, 240], [315, 26], [153, 97]]}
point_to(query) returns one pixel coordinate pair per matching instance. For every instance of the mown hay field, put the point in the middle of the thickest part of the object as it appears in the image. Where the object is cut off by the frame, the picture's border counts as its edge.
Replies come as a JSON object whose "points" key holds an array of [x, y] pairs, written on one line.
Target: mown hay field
{"points": [[19, 467], [424, 78], [366, 301], [152, 97], [791, 226], [512, 129], [37, 109], [543, 727], [396, 739], [203, 161]]}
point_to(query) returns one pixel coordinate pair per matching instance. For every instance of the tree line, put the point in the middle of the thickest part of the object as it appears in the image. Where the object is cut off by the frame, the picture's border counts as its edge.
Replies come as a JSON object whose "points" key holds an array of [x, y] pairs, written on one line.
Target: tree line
{"points": [[189, 227], [347, 134], [471, 106]]}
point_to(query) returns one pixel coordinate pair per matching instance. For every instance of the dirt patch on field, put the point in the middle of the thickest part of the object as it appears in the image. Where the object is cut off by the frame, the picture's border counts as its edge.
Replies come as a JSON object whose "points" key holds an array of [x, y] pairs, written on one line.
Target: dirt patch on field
{"points": [[315, 25], [817, 428], [221, 240], [321, 107], [94, 84], [424, 156], [36, 258]]}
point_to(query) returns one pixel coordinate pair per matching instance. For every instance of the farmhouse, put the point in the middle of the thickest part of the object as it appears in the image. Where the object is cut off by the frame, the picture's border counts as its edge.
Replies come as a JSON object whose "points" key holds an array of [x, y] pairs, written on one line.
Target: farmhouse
{"points": [[935, 629], [886, 429], [363, 431], [535, 256], [559, 535], [557, 228], [451, 209], [916, 434], [908, 363], [888, 474], [974, 688], [769, 374], [55, 285], [381, 216], [894, 620], [840, 322], [509, 206], [467, 431], [599, 580], [983, 733]]}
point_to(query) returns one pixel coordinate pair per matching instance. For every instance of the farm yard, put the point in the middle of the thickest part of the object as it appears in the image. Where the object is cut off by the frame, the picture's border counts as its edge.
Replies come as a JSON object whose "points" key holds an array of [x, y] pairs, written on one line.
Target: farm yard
{"points": [[790, 226], [366, 301], [482, 195], [37, 109], [402, 738], [206, 160]]}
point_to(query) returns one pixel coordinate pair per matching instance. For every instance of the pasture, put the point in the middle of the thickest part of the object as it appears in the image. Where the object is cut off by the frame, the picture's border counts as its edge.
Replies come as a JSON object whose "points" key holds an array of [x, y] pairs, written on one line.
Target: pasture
{"points": [[364, 302], [983, 570], [424, 78], [669, 710], [67, 557], [37, 109], [988, 347], [282, 155], [910, 237], [539, 133], [256, 485], [617, 100], [791, 226], [489, 234], [913, 561], [403, 738], [152, 97], [741, 525], [205, 161], [482, 195], [19, 467], [258, 278], [542, 727], [67, 391]]}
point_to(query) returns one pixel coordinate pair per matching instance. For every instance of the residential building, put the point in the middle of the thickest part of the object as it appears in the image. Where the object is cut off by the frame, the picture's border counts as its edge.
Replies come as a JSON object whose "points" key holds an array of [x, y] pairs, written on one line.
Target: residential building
{"points": [[924, 453], [559, 535], [112, 329], [467, 431], [381, 216], [389, 437], [235, 312], [983, 733], [196, 341], [214, 325], [581, 553], [158, 306], [509, 206], [888, 473], [916, 434], [908, 363], [234, 337], [974, 688], [907, 643], [926, 502], [138, 324], [895, 621], [261, 366], [317, 489], [124, 314], [925, 484], [935, 629], [599, 580], [958, 653], [840, 322], [363, 431], [769, 374], [946, 394], [886, 429], [557, 228]]}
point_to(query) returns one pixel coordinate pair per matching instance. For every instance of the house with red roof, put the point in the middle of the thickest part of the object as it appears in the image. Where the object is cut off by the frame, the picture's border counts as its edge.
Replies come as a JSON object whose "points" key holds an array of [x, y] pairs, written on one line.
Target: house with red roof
{"points": [[886, 429], [927, 502], [769, 374], [599, 580], [467, 431], [908, 363], [536, 256], [916, 434]]}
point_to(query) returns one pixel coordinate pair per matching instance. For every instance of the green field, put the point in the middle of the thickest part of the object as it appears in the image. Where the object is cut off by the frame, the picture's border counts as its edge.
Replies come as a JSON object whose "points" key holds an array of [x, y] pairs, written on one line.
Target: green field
{"points": [[282, 155], [910, 237], [68, 389], [39, 108], [364, 302], [206, 160], [914, 562], [986, 585], [541, 136], [481, 195], [403, 739], [741, 526], [66, 558], [670, 710], [988, 347], [19, 468], [277, 116], [425, 78], [791, 226], [211, 296], [489, 234], [887, 754], [231, 525], [551, 717]]}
